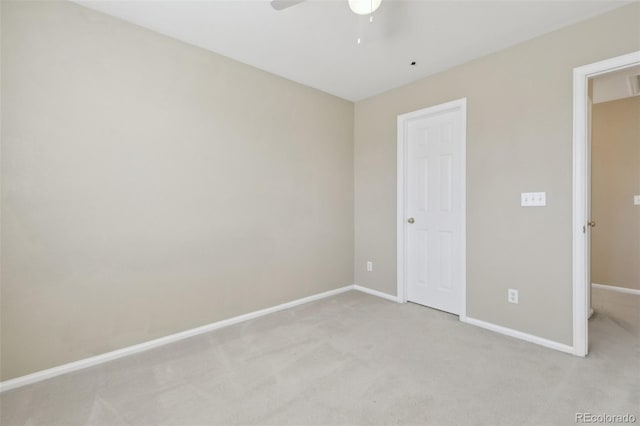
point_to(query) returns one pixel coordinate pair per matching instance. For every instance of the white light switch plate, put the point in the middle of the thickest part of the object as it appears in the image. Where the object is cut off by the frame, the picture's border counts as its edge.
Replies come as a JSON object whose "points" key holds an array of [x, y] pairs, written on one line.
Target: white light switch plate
{"points": [[636, 200], [533, 199]]}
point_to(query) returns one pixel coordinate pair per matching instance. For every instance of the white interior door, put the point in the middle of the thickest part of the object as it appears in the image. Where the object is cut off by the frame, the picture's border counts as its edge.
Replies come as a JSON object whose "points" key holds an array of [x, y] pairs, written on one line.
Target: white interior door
{"points": [[434, 190]]}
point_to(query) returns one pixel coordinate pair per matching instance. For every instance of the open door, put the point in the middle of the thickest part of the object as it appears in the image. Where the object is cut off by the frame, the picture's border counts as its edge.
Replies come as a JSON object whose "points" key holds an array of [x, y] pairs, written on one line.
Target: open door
{"points": [[582, 222]]}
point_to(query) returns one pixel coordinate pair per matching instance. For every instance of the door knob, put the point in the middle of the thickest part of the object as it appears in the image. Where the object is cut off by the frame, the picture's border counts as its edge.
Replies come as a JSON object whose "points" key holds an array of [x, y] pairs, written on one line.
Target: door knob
{"points": [[591, 223], [411, 220]]}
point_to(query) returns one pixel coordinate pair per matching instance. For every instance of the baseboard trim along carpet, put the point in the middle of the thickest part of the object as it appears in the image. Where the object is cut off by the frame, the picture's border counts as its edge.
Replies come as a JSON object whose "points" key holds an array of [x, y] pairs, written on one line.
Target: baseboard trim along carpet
{"points": [[520, 335], [376, 293], [130, 350], [618, 289], [151, 344]]}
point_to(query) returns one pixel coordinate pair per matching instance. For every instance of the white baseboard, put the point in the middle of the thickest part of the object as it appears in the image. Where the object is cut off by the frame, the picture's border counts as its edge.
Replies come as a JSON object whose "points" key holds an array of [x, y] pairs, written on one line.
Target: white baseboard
{"points": [[520, 335], [141, 347], [375, 293], [618, 289], [130, 350]]}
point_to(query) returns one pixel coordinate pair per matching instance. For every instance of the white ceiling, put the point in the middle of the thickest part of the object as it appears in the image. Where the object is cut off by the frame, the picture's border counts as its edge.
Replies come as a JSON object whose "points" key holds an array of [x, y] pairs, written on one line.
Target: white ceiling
{"points": [[314, 43], [617, 85]]}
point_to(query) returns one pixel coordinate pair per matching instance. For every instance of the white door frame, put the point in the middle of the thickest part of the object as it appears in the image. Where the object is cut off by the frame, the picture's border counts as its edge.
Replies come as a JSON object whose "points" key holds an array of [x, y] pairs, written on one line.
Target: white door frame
{"points": [[403, 122], [581, 160]]}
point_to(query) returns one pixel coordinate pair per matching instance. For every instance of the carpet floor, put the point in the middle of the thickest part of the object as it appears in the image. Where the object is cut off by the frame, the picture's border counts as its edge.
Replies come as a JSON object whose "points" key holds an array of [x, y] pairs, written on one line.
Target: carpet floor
{"points": [[352, 359]]}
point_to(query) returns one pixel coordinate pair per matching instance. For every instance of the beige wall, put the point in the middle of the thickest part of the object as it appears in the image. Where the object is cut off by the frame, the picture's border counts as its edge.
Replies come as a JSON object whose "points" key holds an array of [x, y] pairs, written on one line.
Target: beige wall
{"points": [[519, 140], [149, 187], [615, 179]]}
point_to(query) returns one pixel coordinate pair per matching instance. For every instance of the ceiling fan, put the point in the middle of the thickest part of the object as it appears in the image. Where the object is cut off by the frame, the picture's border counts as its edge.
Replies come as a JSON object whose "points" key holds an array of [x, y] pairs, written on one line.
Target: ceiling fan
{"points": [[359, 7]]}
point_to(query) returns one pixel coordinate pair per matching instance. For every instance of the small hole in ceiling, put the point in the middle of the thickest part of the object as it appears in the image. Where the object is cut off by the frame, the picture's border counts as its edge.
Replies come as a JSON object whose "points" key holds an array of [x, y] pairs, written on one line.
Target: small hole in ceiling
{"points": [[413, 63]]}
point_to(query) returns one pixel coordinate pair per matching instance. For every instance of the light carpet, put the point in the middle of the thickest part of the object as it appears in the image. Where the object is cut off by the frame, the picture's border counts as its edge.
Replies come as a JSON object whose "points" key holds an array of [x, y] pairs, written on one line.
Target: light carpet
{"points": [[352, 359]]}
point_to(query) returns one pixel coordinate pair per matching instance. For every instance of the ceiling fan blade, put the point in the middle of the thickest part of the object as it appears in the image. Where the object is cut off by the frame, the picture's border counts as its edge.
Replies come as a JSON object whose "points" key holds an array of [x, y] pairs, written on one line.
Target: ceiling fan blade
{"points": [[283, 4]]}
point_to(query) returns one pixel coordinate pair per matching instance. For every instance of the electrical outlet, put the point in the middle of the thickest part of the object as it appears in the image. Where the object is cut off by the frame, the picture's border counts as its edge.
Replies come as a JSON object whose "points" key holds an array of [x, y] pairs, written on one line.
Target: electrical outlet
{"points": [[512, 296], [369, 266], [636, 200]]}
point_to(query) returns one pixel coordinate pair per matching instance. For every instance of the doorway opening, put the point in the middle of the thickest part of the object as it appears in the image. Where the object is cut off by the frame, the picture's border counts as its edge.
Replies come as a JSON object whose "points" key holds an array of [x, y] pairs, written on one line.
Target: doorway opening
{"points": [[583, 222], [615, 204]]}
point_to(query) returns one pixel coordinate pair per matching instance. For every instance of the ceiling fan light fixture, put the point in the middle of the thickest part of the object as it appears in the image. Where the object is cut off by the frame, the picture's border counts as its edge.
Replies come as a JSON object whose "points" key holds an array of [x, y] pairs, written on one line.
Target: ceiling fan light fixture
{"points": [[364, 7]]}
